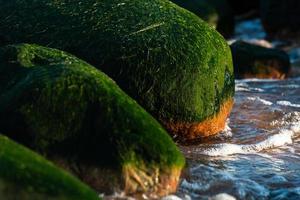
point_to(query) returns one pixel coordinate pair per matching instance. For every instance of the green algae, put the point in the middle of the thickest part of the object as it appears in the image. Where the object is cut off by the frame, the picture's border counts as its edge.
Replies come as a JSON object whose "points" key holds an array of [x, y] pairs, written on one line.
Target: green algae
{"points": [[26, 175], [68, 109], [174, 64]]}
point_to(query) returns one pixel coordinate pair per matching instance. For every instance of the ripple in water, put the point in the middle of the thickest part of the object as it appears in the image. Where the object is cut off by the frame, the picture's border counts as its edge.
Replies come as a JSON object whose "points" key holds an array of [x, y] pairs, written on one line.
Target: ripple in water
{"points": [[258, 156]]}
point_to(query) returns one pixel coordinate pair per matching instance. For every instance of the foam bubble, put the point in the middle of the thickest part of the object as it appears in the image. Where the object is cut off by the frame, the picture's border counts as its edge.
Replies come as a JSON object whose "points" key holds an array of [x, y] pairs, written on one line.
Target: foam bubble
{"points": [[224, 149], [260, 100], [208, 179], [244, 87], [223, 196], [257, 80], [174, 197], [287, 103], [171, 197]]}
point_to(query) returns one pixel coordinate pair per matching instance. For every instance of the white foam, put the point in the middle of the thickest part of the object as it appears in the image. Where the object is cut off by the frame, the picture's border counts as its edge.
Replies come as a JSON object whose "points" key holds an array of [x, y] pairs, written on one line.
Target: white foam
{"points": [[174, 197], [208, 178], [171, 197], [258, 99], [260, 80], [223, 196], [240, 86], [287, 103], [244, 87], [257, 89], [116, 195], [241, 89], [226, 133], [284, 137]]}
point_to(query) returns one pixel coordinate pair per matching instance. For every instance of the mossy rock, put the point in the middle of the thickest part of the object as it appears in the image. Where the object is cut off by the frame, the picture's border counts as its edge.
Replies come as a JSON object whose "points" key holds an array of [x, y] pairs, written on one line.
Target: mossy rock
{"points": [[202, 9], [79, 118], [281, 18], [175, 65], [26, 175], [253, 61]]}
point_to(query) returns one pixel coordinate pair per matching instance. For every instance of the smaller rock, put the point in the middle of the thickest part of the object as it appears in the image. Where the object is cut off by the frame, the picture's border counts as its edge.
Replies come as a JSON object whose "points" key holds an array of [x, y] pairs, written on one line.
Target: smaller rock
{"points": [[253, 61]]}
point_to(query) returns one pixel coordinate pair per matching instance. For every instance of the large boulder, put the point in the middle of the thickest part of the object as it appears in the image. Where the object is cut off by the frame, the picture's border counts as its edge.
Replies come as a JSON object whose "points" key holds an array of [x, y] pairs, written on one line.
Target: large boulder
{"points": [[281, 18], [174, 64], [26, 175], [253, 61], [79, 118]]}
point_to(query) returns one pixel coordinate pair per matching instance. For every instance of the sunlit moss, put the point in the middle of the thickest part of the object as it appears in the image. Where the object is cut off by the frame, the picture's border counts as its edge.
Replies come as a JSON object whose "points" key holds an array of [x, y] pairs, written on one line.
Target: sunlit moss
{"points": [[174, 64]]}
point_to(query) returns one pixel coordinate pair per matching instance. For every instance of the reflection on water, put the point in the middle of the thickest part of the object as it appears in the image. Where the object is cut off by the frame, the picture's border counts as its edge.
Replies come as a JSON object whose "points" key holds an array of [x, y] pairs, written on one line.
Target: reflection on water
{"points": [[260, 156]]}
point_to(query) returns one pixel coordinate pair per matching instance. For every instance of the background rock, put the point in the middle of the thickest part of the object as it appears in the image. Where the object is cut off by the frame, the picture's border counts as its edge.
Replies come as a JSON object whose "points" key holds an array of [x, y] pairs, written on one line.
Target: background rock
{"points": [[253, 61]]}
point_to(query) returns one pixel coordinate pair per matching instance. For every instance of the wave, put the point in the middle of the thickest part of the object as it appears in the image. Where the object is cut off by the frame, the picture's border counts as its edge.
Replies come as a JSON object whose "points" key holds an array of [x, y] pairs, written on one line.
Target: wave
{"points": [[244, 87], [287, 103], [209, 179], [260, 100], [289, 128]]}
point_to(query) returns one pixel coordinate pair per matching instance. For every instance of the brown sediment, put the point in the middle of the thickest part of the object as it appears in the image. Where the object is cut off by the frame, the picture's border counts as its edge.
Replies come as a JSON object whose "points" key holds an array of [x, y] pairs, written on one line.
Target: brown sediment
{"points": [[151, 181], [211, 126]]}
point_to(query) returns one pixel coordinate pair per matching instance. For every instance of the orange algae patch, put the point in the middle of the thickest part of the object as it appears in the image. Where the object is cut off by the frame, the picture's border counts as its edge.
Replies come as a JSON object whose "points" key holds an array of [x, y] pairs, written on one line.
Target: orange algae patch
{"points": [[208, 127], [153, 182], [273, 74]]}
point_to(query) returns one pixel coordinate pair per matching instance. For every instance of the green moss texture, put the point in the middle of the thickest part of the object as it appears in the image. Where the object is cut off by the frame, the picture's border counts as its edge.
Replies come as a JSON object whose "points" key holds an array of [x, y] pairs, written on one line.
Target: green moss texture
{"points": [[174, 64], [26, 175], [61, 106]]}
